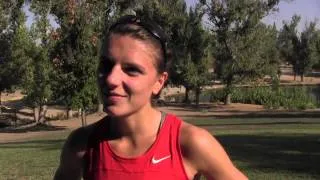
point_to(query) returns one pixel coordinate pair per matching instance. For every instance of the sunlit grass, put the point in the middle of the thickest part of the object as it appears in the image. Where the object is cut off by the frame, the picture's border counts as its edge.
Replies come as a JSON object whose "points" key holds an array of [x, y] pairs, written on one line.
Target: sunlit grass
{"points": [[32, 159]]}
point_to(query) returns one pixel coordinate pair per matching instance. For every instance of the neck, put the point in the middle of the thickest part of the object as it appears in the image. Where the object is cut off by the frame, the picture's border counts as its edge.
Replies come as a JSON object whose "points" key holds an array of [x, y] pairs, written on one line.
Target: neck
{"points": [[144, 122]]}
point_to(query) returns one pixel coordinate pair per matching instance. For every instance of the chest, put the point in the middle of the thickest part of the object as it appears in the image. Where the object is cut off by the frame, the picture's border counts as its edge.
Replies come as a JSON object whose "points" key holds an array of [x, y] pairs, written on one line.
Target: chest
{"points": [[110, 166], [163, 160]]}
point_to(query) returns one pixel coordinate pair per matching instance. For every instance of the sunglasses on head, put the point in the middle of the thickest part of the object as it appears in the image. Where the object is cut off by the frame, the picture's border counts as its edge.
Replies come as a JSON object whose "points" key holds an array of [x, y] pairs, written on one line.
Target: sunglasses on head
{"points": [[154, 29]]}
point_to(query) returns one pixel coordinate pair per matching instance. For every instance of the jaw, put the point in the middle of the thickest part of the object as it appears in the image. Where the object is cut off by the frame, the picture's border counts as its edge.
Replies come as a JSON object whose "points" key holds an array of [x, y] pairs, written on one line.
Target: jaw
{"points": [[126, 110]]}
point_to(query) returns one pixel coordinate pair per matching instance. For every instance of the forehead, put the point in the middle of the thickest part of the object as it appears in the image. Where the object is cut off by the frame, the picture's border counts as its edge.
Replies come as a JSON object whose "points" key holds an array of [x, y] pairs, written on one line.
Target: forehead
{"points": [[121, 47], [127, 45]]}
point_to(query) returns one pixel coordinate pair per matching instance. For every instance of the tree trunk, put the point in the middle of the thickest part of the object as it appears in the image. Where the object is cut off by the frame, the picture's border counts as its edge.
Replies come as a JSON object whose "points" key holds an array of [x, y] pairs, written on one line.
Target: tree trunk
{"points": [[186, 95], [36, 114], [197, 96], [79, 113], [0, 103], [295, 71], [279, 73], [42, 114], [100, 108], [228, 91], [69, 113], [302, 77], [83, 118], [227, 99], [15, 117]]}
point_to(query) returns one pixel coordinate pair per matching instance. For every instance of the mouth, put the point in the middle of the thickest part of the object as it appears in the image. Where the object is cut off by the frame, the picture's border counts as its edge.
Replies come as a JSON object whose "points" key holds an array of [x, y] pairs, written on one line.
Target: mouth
{"points": [[108, 93], [113, 97], [114, 94]]}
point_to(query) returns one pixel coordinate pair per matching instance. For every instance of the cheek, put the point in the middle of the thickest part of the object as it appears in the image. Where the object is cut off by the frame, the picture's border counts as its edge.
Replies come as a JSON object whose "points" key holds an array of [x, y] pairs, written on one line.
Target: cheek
{"points": [[142, 87]]}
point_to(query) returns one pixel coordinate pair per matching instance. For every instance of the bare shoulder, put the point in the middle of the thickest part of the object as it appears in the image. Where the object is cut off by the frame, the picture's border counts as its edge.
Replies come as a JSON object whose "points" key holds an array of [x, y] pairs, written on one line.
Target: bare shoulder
{"points": [[71, 159], [192, 135], [205, 154], [76, 142]]}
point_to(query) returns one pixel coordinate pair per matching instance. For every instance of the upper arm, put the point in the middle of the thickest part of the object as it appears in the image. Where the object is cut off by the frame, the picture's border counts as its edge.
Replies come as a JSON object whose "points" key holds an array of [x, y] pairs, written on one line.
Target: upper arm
{"points": [[206, 155], [71, 159]]}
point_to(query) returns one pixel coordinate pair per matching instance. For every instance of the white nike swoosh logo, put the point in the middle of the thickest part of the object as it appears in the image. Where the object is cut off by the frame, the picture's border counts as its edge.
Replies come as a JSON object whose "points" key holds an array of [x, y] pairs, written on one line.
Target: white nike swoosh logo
{"points": [[156, 161]]}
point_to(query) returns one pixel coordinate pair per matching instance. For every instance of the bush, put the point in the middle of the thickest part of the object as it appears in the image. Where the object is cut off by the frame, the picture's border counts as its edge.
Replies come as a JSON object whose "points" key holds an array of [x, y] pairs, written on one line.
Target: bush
{"points": [[285, 97], [291, 98]]}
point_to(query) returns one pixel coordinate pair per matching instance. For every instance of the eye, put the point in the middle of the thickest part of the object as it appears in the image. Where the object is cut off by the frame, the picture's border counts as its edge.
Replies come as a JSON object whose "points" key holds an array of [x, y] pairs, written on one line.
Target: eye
{"points": [[132, 70], [105, 66]]}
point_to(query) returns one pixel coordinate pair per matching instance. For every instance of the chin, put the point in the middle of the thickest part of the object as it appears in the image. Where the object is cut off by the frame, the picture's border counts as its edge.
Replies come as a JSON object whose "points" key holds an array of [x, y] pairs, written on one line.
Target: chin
{"points": [[121, 111], [116, 111], [112, 111]]}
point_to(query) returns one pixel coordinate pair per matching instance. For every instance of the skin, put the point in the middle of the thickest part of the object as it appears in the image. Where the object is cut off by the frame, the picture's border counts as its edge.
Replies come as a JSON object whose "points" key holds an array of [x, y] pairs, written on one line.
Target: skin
{"points": [[130, 83]]}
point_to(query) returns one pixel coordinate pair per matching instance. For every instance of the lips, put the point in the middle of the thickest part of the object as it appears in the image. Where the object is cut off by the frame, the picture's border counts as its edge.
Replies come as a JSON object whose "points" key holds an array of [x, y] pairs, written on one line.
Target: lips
{"points": [[113, 97], [110, 96], [114, 94], [106, 92]]}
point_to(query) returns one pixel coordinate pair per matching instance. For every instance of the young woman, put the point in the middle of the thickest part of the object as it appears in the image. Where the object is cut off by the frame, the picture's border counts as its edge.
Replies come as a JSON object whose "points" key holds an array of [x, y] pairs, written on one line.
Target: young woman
{"points": [[135, 140]]}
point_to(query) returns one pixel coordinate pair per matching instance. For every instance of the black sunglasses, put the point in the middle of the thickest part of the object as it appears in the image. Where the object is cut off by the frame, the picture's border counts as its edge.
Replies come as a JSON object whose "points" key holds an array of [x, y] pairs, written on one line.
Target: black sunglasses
{"points": [[154, 29]]}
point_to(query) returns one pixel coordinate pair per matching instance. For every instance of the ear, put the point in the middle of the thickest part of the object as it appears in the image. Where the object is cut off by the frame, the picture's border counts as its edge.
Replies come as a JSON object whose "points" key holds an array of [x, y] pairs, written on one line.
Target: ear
{"points": [[162, 78]]}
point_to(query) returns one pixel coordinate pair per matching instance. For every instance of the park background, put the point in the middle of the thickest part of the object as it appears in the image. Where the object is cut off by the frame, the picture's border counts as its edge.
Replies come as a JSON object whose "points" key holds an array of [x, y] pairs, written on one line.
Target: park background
{"points": [[247, 71]]}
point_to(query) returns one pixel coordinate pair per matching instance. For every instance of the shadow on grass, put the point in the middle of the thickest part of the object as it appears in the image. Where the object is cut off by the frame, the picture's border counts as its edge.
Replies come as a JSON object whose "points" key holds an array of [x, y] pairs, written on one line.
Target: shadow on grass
{"points": [[32, 128], [45, 145], [255, 123], [18, 104], [264, 114], [295, 153], [188, 106]]}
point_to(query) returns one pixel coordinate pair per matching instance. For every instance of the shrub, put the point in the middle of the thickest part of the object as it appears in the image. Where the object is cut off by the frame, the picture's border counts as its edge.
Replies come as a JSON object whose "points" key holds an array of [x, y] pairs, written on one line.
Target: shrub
{"points": [[270, 98], [291, 98]]}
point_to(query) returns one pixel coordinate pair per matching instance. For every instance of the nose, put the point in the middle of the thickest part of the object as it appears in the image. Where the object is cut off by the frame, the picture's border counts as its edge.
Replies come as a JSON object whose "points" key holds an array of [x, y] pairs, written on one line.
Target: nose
{"points": [[113, 79]]}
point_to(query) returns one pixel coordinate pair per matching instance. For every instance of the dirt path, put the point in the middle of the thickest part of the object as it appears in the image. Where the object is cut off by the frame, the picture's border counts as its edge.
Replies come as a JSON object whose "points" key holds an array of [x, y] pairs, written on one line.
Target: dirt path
{"points": [[53, 128]]}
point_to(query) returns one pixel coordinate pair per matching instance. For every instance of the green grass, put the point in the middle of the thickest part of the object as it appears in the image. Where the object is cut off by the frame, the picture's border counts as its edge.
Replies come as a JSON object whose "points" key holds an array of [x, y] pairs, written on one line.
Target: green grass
{"points": [[263, 148], [32, 159], [266, 148]]}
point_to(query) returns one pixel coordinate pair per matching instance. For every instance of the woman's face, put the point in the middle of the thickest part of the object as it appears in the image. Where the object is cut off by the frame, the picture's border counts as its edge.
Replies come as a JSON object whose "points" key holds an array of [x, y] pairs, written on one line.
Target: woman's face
{"points": [[130, 75]]}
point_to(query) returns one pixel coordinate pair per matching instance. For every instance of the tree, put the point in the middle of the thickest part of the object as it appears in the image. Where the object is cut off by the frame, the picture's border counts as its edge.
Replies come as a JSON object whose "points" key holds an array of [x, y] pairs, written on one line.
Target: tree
{"points": [[288, 43], [77, 52], [193, 55], [11, 18], [300, 50], [316, 53], [271, 54], [4, 48], [37, 81], [308, 52], [240, 37]]}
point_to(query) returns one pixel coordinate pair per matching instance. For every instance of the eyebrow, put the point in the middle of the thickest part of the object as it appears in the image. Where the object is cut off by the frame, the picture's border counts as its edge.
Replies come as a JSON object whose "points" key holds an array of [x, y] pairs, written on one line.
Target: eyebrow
{"points": [[111, 59], [135, 65], [106, 57]]}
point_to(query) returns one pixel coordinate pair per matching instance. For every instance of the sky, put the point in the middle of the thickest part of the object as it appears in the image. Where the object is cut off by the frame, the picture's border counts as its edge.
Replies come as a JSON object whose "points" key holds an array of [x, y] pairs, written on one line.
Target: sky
{"points": [[309, 10], [30, 17]]}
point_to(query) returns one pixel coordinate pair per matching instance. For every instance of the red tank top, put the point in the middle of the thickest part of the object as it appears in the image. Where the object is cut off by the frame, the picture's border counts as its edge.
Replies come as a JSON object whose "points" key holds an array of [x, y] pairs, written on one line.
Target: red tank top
{"points": [[163, 160]]}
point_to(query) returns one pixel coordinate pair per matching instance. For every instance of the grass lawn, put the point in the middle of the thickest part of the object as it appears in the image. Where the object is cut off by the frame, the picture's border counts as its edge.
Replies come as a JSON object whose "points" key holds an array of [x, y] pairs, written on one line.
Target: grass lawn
{"points": [[263, 148], [268, 148], [35, 159]]}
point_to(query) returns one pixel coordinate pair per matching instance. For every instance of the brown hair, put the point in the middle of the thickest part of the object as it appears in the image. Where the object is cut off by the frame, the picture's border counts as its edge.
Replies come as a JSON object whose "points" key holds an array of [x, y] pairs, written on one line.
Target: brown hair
{"points": [[140, 32]]}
